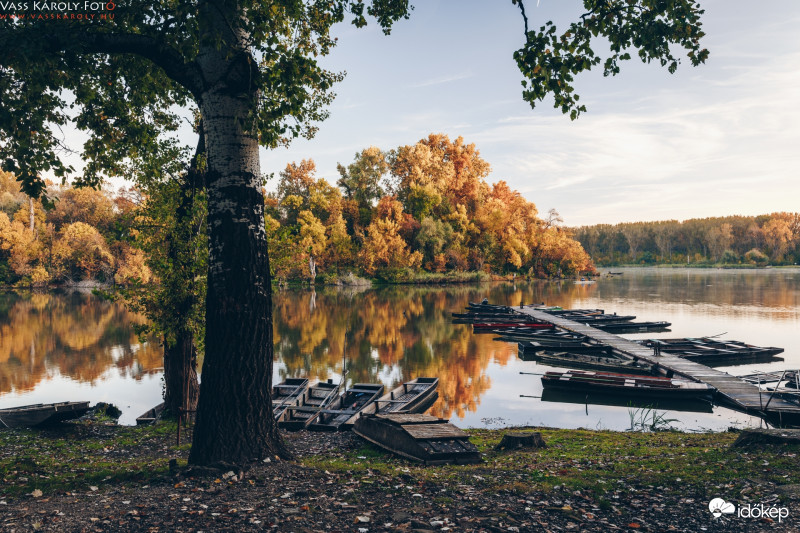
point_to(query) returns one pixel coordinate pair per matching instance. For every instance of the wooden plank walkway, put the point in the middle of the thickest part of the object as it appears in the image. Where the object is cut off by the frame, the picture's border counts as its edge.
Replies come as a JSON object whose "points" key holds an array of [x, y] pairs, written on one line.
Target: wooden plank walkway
{"points": [[731, 390]]}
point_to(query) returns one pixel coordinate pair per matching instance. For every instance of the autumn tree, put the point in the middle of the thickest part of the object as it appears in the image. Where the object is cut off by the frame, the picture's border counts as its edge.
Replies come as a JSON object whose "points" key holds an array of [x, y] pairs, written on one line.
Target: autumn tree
{"points": [[251, 70], [635, 234], [362, 183], [384, 247], [83, 247], [778, 235], [664, 236], [719, 239]]}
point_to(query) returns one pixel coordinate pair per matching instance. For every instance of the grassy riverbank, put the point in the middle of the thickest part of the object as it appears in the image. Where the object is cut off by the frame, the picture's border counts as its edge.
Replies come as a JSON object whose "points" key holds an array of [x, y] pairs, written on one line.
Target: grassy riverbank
{"points": [[592, 478]]}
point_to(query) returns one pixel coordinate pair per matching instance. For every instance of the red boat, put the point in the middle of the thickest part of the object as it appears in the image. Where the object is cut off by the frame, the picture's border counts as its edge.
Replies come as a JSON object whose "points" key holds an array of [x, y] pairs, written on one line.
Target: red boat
{"points": [[629, 384], [501, 325]]}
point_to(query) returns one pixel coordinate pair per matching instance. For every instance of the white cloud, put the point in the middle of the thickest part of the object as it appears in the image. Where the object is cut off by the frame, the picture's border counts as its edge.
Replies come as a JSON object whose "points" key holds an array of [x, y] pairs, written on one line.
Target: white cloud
{"points": [[727, 146], [442, 80]]}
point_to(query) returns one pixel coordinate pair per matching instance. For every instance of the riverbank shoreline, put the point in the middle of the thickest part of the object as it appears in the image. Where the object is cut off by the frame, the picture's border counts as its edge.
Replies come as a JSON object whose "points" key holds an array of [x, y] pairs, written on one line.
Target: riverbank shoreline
{"points": [[714, 266], [98, 477]]}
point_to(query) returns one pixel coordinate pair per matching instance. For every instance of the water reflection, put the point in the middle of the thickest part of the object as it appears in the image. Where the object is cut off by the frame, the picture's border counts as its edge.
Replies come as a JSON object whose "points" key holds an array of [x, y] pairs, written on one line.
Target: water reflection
{"points": [[78, 347], [399, 333], [74, 335], [389, 335]]}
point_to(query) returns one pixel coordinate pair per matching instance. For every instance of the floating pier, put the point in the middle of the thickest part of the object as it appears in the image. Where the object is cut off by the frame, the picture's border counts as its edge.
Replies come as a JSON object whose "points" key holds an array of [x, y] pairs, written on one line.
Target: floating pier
{"points": [[731, 390]]}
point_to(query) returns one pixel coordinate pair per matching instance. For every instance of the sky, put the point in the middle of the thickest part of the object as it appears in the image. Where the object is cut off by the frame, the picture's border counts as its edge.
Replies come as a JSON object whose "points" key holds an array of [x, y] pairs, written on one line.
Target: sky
{"points": [[715, 140]]}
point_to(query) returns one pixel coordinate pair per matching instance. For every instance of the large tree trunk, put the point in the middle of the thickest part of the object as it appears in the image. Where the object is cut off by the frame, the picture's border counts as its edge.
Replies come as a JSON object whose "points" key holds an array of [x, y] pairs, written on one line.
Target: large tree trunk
{"points": [[234, 418]]}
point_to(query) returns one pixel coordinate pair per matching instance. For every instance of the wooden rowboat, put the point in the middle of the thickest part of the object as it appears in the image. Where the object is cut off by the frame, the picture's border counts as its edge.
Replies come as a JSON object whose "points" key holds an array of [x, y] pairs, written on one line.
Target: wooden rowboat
{"points": [[606, 363], [312, 401], [598, 398], [633, 327], [706, 348], [346, 407], [287, 393], [501, 325], [571, 347], [628, 384], [41, 413], [151, 415], [423, 438], [414, 396]]}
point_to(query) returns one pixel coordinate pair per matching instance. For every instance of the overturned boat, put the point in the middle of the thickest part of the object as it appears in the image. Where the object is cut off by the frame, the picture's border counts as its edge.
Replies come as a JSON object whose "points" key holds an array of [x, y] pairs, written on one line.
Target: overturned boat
{"points": [[423, 438]]}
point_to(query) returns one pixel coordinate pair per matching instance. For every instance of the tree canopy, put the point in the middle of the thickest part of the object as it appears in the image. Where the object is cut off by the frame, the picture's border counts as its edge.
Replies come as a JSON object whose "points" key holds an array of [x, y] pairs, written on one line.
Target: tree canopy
{"points": [[430, 207], [251, 71]]}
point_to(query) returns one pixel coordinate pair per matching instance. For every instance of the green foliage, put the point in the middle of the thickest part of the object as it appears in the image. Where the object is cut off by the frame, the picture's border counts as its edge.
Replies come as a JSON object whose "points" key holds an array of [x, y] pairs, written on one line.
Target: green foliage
{"points": [[433, 237], [756, 257], [729, 257], [395, 275], [172, 232], [361, 180], [550, 59], [649, 419]]}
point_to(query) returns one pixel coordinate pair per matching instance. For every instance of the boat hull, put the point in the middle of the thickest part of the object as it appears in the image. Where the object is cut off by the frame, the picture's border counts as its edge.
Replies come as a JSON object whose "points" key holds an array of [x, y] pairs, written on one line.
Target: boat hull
{"points": [[422, 438], [40, 414], [414, 396], [627, 384], [312, 401], [287, 393], [150, 416]]}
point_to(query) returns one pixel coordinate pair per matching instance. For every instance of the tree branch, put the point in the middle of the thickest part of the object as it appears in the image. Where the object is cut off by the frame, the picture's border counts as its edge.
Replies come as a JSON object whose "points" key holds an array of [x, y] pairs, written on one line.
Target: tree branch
{"points": [[170, 60], [524, 16]]}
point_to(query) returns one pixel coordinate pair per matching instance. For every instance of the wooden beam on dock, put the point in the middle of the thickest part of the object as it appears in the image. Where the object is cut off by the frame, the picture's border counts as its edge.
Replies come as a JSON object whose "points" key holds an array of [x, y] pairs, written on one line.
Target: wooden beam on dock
{"points": [[731, 390]]}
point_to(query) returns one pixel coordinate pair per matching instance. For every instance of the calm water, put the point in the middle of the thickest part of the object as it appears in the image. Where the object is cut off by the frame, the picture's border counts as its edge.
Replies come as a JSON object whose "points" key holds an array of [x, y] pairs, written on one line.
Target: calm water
{"points": [[56, 347]]}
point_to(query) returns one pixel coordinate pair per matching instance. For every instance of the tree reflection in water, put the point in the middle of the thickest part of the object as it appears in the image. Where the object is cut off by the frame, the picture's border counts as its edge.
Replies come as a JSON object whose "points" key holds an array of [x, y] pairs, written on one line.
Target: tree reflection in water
{"points": [[393, 333], [75, 334]]}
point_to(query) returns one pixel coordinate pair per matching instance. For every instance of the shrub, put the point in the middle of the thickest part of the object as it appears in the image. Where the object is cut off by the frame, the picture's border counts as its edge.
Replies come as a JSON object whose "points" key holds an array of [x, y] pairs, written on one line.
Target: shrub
{"points": [[756, 257]]}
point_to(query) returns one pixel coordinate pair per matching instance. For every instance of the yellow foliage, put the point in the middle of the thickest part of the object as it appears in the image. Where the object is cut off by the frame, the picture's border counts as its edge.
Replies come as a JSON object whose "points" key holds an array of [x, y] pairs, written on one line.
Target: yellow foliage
{"points": [[312, 233], [132, 266], [18, 241], [83, 246], [40, 276], [385, 248]]}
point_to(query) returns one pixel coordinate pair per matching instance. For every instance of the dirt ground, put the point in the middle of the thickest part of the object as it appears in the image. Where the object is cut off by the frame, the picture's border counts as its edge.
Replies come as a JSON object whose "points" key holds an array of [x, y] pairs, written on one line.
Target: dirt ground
{"points": [[376, 494]]}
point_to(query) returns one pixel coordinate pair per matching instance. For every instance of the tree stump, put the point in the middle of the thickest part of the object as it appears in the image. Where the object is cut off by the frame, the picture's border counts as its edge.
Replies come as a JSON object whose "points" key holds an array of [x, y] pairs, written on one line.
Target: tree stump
{"points": [[517, 440]]}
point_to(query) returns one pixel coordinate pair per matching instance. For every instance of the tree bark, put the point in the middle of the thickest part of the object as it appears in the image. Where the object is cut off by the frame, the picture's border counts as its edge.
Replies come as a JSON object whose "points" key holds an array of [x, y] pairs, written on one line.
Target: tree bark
{"points": [[180, 374], [234, 418], [32, 217]]}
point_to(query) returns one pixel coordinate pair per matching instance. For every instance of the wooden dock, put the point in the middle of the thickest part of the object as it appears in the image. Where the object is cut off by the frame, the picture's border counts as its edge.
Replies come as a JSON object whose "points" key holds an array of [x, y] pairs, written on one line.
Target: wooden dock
{"points": [[731, 390]]}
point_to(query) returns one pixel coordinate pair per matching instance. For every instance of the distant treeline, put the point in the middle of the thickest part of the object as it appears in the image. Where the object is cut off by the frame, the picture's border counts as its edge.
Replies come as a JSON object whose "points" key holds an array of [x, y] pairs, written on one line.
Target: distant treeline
{"points": [[87, 235], [736, 240]]}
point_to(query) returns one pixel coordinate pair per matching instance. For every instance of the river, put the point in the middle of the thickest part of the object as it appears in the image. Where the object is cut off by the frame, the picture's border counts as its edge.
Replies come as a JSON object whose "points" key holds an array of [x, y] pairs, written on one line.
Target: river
{"points": [[75, 346]]}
